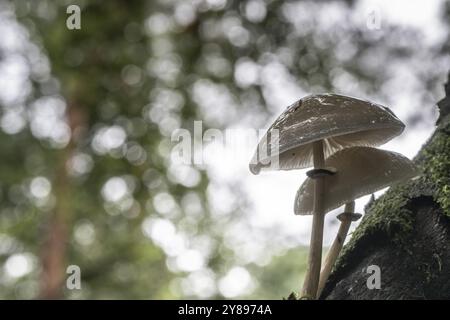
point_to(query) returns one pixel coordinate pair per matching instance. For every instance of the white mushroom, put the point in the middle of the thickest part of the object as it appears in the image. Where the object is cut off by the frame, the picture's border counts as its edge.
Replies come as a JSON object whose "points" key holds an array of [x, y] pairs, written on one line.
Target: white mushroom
{"points": [[314, 127], [359, 171], [338, 121]]}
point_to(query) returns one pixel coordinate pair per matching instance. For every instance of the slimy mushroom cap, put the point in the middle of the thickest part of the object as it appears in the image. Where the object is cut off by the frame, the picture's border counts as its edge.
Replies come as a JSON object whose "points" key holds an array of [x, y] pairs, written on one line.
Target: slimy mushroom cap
{"points": [[339, 121], [359, 171]]}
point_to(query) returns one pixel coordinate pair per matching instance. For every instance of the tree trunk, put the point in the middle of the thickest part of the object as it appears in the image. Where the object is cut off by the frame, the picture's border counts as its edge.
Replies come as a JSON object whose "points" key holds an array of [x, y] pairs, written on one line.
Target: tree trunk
{"points": [[53, 256], [406, 233]]}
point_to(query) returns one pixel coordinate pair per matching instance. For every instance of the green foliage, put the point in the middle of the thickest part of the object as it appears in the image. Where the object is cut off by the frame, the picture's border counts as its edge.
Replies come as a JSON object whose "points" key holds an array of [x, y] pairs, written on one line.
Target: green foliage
{"points": [[284, 274]]}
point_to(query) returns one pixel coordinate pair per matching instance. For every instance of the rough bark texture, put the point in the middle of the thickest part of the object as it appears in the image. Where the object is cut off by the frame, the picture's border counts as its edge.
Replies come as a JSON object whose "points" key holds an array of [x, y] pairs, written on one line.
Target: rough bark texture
{"points": [[406, 232]]}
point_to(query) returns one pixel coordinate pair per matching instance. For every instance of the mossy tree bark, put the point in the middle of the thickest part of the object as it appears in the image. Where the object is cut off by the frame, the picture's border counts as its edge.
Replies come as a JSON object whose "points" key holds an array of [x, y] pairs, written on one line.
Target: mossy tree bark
{"points": [[406, 233]]}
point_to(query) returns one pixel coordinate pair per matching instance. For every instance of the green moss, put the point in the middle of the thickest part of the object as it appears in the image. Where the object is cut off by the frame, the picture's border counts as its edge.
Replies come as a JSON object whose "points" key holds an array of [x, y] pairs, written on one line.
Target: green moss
{"points": [[293, 296], [435, 160], [389, 216]]}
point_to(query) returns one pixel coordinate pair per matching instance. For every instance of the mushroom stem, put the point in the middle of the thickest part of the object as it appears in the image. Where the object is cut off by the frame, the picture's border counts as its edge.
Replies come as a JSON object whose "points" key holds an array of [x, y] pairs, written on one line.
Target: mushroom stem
{"points": [[310, 285], [346, 219]]}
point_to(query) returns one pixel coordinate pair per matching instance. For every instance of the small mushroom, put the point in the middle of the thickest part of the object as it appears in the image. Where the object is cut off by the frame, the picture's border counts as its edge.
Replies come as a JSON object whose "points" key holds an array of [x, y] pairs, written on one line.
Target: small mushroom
{"points": [[314, 128], [346, 218], [359, 171]]}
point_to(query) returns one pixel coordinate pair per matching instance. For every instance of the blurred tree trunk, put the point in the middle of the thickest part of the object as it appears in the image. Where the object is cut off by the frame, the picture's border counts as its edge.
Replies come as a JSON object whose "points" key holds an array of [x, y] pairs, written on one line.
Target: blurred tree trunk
{"points": [[55, 245], [406, 233], [53, 257], [86, 84]]}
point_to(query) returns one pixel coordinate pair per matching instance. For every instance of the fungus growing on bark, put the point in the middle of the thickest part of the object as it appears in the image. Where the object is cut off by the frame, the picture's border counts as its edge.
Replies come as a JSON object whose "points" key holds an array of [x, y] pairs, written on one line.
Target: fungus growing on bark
{"points": [[359, 171], [314, 128]]}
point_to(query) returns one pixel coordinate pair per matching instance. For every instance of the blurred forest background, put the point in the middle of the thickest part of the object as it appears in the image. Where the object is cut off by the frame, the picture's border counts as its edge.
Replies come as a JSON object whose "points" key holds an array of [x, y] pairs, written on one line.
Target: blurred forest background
{"points": [[86, 118]]}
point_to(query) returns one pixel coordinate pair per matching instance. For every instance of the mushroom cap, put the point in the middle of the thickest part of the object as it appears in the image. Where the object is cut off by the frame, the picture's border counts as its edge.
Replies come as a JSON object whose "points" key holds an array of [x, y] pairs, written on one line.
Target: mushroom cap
{"points": [[338, 120], [360, 171]]}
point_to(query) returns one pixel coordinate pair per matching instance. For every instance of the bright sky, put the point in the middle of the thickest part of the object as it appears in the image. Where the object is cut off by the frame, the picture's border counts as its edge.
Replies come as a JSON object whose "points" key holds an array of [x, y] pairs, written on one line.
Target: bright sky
{"points": [[416, 13]]}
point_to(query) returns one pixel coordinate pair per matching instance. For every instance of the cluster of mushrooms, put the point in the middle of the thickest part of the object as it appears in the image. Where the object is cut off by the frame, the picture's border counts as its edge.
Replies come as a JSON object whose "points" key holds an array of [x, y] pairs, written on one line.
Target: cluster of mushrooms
{"points": [[335, 135]]}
